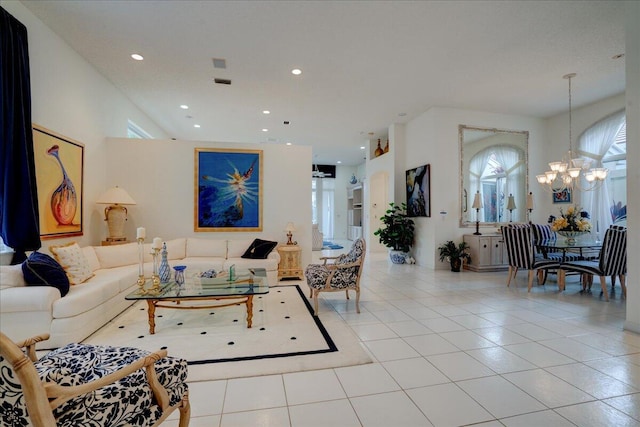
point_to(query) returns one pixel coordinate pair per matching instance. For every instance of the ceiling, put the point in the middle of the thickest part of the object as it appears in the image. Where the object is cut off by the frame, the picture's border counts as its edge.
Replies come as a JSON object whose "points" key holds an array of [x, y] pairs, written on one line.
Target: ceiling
{"points": [[365, 64]]}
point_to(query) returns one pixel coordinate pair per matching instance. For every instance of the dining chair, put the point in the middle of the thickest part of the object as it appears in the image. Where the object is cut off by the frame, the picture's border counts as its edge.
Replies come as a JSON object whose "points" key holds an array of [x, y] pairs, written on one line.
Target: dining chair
{"points": [[87, 385], [521, 255], [341, 273], [611, 262]]}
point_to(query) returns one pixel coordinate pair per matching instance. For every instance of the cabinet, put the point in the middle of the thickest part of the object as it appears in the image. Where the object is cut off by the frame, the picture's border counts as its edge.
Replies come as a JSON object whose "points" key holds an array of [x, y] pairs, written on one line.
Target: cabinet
{"points": [[289, 266], [487, 252], [354, 212]]}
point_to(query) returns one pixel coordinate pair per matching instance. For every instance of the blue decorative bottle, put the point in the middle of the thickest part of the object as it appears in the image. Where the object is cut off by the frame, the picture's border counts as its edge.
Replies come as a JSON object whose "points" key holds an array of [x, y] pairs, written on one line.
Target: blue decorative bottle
{"points": [[165, 270]]}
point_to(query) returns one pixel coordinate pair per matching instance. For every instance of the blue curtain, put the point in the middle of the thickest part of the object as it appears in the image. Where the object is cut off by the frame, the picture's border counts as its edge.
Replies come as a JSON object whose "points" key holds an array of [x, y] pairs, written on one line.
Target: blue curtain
{"points": [[19, 219]]}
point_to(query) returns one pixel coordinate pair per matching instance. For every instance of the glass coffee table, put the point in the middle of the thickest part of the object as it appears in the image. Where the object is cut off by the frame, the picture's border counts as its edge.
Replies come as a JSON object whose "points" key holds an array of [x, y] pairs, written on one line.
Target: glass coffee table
{"points": [[240, 290]]}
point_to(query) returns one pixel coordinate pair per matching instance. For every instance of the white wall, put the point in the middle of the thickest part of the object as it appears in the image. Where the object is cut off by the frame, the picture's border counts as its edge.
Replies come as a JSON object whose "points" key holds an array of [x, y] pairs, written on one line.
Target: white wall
{"points": [[70, 97], [159, 175], [632, 58], [432, 138]]}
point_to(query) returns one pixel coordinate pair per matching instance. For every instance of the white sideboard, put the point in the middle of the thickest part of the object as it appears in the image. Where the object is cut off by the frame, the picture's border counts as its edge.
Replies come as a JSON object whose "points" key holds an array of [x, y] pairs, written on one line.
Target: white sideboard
{"points": [[487, 252]]}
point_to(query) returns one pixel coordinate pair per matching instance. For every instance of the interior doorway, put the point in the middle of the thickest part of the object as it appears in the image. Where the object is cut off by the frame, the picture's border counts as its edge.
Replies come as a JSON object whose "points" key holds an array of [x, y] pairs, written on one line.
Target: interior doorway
{"points": [[378, 203]]}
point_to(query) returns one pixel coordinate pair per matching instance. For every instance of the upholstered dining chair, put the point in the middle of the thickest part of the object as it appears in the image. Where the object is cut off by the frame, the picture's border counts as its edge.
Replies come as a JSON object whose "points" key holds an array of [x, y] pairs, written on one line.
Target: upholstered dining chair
{"points": [[611, 262], [86, 385], [521, 255], [341, 273]]}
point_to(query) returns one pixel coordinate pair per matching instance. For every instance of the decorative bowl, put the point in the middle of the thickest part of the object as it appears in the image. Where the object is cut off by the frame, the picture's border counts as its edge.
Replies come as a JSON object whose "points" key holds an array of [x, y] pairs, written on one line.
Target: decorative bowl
{"points": [[571, 235]]}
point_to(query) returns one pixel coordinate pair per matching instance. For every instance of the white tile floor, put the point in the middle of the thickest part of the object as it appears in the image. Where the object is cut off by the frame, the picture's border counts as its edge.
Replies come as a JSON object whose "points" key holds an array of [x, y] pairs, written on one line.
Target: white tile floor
{"points": [[451, 349]]}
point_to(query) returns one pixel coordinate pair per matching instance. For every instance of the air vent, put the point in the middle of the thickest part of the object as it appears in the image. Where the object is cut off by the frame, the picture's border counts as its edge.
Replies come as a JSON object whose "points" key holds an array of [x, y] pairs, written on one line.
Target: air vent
{"points": [[222, 81], [219, 63]]}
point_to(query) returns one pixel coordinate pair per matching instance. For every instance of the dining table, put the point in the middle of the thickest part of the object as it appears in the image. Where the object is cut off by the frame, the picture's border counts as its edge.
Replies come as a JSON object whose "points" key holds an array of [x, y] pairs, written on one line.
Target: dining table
{"points": [[586, 247]]}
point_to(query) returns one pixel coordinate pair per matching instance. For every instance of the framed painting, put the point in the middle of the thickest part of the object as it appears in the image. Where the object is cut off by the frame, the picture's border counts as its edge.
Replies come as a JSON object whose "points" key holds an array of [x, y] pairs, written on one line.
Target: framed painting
{"points": [[418, 184], [59, 163], [228, 190], [562, 196]]}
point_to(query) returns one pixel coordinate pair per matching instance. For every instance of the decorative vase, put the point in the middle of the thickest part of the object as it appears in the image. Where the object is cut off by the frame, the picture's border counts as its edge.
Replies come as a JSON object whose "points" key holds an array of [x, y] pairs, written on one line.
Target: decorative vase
{"points": [[179, 276], [456, 263], [353, 179], [64, 200], [398, 257], [165, 270], [379, 152], [386, 147]]}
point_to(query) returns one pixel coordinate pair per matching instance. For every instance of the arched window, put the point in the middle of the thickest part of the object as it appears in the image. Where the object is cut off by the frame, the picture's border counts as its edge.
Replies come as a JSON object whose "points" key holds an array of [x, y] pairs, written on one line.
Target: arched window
{"points": [[605, 142], [497, 172]]}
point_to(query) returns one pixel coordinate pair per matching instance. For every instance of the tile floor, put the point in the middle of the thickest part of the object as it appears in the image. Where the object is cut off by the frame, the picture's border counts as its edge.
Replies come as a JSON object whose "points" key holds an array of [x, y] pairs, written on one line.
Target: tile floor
{"points": [[451, 349]]}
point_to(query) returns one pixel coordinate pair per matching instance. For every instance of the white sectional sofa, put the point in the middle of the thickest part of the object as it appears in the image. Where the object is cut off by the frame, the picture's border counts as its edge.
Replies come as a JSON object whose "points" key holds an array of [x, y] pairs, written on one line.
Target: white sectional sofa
{"points": [[26, 311]]}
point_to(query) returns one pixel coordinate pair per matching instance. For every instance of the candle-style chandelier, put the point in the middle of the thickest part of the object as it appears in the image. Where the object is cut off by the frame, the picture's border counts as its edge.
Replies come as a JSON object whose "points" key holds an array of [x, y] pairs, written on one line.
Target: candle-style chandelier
{"points": [[569, 172]]}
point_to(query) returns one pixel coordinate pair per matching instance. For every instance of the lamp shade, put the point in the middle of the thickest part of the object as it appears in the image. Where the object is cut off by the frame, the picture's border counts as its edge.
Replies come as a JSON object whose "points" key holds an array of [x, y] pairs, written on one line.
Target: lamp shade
{"points": [[115, 196], [530, 201], [290, 227], [477, 201], [511, 203]]}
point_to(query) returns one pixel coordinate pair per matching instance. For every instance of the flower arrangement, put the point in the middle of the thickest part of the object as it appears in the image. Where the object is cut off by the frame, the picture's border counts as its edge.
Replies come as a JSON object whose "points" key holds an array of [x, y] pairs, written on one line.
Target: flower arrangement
{"points": [[574, 219]]}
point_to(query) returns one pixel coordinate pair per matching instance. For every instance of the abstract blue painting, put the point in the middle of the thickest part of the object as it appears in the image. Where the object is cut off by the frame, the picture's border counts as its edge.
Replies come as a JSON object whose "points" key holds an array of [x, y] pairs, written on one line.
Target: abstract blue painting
{"points": [[228, 190]]}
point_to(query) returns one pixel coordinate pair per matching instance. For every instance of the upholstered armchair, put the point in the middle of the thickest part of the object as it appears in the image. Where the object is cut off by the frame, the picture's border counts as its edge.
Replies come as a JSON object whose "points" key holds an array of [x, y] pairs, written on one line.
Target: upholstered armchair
{"points": [[92, 386], [341, 273], [316, 238]]}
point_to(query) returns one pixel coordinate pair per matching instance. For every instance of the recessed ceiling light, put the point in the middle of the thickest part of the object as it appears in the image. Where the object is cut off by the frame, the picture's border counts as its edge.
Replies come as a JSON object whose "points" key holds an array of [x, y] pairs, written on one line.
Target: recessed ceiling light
{"points": [[196, 126], [362, 147], [184, 107], [137, 56], [266, 112], [338, 162], [288, 143], [265, 130], [296, 71]]}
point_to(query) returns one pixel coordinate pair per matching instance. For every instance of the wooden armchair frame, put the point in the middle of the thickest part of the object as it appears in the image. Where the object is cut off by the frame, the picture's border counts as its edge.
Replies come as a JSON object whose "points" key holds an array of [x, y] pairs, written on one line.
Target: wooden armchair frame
{"points": [[41, 398]]}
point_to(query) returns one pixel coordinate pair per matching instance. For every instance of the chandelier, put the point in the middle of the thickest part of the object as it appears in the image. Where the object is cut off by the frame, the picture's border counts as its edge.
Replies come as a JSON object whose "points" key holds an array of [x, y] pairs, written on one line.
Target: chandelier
{"points": [[569, 172]]}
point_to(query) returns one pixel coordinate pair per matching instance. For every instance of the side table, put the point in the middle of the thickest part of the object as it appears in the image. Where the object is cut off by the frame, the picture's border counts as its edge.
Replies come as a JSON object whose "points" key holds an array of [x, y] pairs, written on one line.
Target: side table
{"points": [[289, 267]]}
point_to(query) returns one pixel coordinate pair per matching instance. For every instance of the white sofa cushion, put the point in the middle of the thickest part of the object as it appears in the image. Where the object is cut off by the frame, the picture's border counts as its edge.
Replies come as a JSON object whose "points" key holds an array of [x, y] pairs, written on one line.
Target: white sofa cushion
{"points": [[117, 255], [176, 248], [206, 248], [92, 258], [86, 296], [11, 276]]}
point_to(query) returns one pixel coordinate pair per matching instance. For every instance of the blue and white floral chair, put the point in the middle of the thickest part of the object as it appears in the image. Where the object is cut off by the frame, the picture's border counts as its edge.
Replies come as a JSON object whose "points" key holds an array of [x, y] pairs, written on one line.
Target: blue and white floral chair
{"points": [[89, 386], [342, 274]]}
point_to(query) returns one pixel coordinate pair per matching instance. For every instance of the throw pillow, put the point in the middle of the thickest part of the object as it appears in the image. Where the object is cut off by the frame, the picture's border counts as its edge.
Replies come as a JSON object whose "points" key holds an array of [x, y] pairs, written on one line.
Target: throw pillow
{"points": [[72, 259], [259, 249], [40, 269]]}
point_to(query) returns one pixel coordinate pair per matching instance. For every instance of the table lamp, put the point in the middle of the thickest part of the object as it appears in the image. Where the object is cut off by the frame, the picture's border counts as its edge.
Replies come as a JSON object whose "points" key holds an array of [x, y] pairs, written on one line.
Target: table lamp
{"points": [[477, 205], [290, 228], [511, 205], [115, 214], [530, 204]]}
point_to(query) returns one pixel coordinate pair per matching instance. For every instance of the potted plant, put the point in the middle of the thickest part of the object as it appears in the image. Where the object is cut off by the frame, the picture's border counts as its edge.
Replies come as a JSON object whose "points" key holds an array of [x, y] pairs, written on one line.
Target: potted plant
{"points": [[397, 233], [454, 254]]}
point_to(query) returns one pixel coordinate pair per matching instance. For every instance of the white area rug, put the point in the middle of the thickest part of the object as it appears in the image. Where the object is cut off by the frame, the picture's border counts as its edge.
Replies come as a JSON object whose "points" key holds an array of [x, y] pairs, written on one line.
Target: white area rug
{"points": [[285, 337]]}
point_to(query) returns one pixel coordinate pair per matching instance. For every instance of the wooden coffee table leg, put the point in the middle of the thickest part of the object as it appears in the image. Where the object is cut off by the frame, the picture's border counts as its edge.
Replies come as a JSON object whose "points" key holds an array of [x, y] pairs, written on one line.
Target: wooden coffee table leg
{"points": [[249, 311], [151, 311]]}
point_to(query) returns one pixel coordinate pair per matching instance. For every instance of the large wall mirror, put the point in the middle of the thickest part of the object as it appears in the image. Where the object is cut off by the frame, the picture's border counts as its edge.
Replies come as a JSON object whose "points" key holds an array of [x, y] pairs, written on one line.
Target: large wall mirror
{"points": [[493, 163]]}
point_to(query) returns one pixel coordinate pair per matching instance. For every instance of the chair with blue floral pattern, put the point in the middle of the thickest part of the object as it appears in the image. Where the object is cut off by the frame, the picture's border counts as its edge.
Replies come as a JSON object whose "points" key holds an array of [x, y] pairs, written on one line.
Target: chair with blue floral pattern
{"points": [[87, 385], [341, 274]]}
